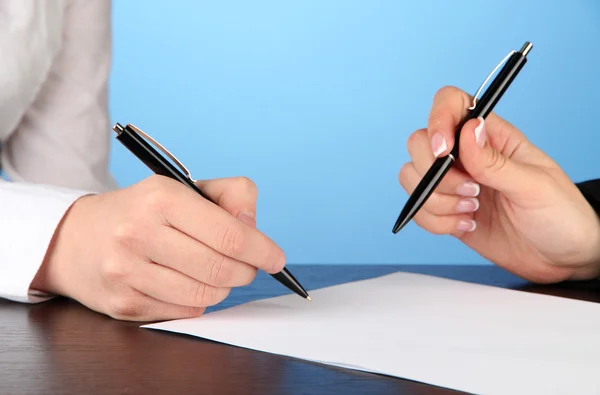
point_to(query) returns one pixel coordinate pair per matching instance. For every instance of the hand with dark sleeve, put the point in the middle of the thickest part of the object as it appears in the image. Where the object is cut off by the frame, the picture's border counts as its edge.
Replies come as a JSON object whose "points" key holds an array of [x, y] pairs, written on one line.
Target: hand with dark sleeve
{"points": [[506, 199]]}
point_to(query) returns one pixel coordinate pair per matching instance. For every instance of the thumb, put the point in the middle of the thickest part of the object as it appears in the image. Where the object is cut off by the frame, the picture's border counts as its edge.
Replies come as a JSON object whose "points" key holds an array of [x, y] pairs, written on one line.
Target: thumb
{"points": [[488, 165], [235, 195]]}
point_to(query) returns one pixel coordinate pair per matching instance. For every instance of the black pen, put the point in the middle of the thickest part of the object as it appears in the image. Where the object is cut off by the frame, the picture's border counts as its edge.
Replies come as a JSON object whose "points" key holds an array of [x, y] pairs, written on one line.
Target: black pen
{"points": [[135, 141], [481, 108]]}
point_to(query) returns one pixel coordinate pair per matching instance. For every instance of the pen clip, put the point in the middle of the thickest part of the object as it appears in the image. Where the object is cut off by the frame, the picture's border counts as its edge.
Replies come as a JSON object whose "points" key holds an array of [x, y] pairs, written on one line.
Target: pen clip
{"points": [[164, 150], [488, 78]]}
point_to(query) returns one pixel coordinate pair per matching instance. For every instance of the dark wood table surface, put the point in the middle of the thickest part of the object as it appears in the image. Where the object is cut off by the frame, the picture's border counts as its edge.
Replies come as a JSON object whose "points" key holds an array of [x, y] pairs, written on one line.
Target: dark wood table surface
{"points": [[60, 347]]}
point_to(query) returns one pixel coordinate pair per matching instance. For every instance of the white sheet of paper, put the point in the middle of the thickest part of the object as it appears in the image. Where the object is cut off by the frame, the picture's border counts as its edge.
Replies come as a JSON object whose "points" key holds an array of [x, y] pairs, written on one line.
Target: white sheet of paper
{"points": [[469, 337]]}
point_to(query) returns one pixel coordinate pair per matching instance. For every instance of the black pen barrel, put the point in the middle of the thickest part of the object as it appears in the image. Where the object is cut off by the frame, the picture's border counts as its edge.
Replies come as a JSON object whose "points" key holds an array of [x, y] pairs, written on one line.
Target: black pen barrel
{"points": [[423, 190], [160, 165], [492, 95], [480, 109]]}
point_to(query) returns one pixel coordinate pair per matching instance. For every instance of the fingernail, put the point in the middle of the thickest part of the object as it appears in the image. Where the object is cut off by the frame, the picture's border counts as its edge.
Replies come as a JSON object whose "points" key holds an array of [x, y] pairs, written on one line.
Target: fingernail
{"points": [[468, 205], [466, 225], [248, 218], [469, 188], [438, 144], [480, 133]]}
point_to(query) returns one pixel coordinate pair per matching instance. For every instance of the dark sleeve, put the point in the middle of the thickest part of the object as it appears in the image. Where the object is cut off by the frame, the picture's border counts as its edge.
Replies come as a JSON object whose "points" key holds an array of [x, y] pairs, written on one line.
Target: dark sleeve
{"points": [[591, 191]]}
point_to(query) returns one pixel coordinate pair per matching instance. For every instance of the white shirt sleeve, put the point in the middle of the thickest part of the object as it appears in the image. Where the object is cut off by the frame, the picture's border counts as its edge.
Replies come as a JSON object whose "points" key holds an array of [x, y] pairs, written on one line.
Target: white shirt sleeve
{"points": [[60, 150]]}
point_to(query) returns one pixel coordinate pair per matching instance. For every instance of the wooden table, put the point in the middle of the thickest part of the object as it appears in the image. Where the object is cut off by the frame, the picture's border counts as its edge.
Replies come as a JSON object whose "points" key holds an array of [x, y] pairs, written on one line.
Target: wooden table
{"points": [[60, 347]]}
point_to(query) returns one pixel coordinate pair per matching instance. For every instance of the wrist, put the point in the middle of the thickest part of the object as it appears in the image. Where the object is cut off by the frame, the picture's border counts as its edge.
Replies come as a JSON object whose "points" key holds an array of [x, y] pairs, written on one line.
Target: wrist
{"points": [[52, 276]]}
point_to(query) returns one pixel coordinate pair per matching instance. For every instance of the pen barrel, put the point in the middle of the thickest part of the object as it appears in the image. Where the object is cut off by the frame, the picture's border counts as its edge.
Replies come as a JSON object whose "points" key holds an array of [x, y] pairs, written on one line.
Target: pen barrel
{"points": [[492, 95], [161, 166], [154, 160], [425, 188], [499, 86]]}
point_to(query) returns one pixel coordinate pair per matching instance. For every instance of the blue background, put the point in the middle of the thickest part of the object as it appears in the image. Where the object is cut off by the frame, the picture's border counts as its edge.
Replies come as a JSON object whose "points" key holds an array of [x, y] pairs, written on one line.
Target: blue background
{"points": [[314, 101]]}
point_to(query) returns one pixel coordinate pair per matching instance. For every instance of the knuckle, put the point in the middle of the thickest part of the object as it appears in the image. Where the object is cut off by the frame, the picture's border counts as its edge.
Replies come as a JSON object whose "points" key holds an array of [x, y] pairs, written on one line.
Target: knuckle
{"points": [[250, 277], [450, 93], [205, 295], [420, 220], [404, 178], [159, 181], [192, 312], [412, 140], [200, 295], [445, 91], [404, 172], [124, 307], [435, 205], [113, 270], [495, 162], [158, 199], [126, 234], [152, 181], [231, 239], [440, 118], [245, 183], [272, 258], [428, 223], [219, 272], [221, 295]]}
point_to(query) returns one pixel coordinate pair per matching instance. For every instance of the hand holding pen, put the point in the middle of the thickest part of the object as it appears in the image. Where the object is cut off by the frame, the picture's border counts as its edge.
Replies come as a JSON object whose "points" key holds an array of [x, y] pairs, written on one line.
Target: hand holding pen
{"points": [[505, 198], [164, 248], [477, 109], [155, 250], [233, 240]]}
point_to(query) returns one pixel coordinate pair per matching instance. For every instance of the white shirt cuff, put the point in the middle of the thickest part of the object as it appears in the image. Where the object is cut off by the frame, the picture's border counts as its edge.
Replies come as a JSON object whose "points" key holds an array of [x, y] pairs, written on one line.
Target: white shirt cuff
{"points": [[29, 215]]}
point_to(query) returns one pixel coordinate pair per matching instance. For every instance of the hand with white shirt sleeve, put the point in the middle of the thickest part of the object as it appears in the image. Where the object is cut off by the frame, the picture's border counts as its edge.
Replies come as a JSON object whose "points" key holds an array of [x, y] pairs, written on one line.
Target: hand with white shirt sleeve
{"points": [[156, 250], [57, 147]]}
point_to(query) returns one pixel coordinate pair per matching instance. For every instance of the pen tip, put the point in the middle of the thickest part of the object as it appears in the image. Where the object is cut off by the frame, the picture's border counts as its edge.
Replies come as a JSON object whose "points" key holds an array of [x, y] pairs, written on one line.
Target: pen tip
{"points": [[404, 218], [400, 223], [308, 298]]}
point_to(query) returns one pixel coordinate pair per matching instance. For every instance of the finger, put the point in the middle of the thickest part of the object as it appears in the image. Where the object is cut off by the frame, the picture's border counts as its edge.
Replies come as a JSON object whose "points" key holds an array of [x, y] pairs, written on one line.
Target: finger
{"points": [[450, 105], [210, 224], [176, 250], [454, 182], [438, 203], [236, 195], [455, 225], [135, 306], [169, 286], [491, 167]]}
